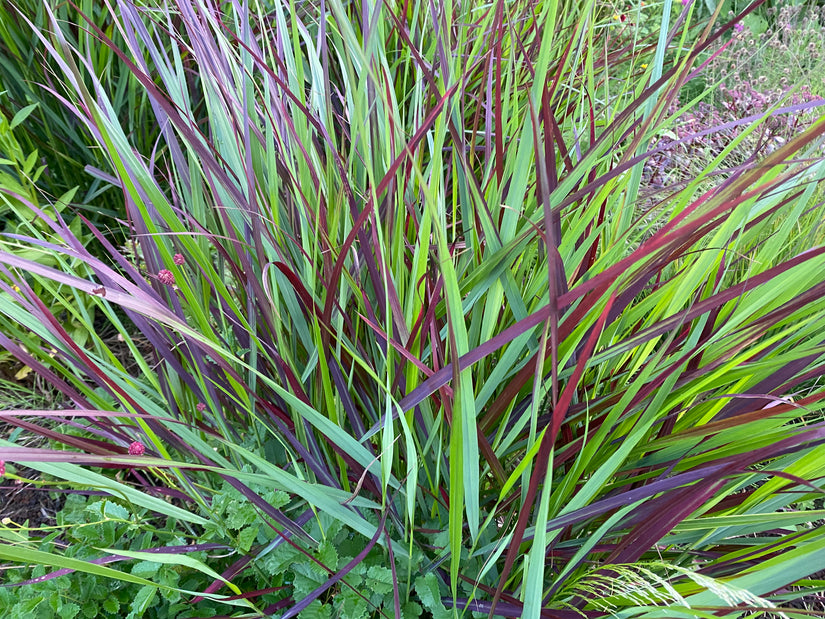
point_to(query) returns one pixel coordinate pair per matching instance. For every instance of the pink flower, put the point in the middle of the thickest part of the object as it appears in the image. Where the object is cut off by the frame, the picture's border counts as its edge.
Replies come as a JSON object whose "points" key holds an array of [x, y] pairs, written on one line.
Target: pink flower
{"points": [[2, 468], [165, 277], [739, 26], [200, 406], [179, 260], [137, 449]]}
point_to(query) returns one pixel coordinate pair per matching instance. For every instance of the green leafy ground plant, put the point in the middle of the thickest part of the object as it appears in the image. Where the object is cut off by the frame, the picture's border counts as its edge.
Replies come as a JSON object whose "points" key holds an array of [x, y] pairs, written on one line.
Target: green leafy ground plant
{"points": [[414, 349], [68, 159], [20, 171]]}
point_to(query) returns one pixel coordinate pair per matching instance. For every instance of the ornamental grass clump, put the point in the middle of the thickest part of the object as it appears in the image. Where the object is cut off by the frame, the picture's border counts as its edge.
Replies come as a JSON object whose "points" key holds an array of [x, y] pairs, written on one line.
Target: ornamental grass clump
{"points": [[411, 348]]}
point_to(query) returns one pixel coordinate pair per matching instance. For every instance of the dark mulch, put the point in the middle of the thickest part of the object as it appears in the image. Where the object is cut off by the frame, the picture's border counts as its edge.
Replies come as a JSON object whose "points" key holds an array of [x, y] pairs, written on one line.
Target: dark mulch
{"points": [[814, 602], [22, 502], [25, 502]]}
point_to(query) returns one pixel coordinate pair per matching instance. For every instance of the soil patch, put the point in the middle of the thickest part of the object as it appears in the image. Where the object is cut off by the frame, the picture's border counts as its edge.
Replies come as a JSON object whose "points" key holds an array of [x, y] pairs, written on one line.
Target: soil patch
{"points": [[26, 504]]}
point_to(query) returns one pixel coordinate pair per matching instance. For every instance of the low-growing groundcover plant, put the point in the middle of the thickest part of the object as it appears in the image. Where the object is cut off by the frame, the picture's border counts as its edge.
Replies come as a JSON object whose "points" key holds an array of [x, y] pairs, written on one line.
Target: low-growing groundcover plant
{"points": [[415, 350]]}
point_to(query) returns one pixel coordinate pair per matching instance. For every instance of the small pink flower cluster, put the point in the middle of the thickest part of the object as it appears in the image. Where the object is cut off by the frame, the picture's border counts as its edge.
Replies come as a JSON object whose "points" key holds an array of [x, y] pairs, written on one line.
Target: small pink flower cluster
{"points": [[166, 277], [200, 406], [179, 260], [137, 449], [2, 468]]}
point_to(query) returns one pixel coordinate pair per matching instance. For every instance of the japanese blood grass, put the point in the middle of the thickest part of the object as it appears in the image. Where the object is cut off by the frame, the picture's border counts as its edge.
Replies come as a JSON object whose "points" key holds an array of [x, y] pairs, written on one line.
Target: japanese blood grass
{"points": [[412, 349]]}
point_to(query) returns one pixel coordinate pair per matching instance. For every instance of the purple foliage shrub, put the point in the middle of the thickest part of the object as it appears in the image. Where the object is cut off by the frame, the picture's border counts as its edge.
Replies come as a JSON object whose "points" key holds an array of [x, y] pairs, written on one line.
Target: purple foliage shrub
{"points": [[750, 86]]}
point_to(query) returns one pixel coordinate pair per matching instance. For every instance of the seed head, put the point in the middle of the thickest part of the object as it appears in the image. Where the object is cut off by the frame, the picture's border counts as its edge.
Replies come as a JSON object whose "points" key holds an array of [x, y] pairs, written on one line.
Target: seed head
{"points": [[137, 449], [179, 260], [200, 406], [166, 277]]}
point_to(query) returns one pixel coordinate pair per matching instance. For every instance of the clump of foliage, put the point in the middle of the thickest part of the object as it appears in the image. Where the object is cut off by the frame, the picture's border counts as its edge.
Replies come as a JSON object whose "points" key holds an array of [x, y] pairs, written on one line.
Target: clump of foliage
{"points": [[20, 171], [744, 79], [29, 78], [763, 64], [414, 350]]}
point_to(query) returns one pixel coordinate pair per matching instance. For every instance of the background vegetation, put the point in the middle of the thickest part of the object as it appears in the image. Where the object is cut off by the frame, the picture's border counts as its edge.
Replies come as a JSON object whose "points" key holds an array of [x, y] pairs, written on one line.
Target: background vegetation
{"points": [[403, 309]]}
